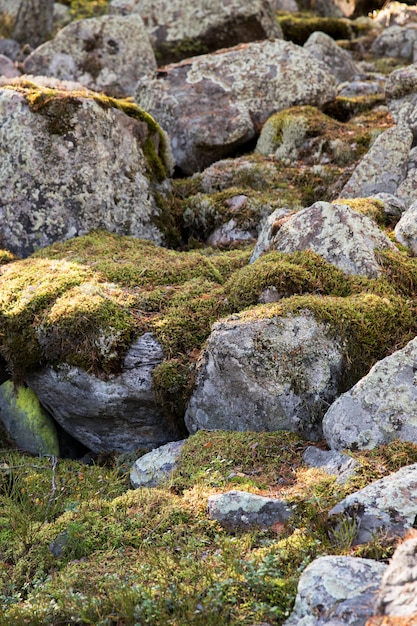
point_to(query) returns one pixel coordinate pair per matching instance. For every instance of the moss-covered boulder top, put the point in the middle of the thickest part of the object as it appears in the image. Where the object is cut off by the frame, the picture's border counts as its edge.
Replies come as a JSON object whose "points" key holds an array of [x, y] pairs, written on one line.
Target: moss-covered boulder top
{"points": [[52, 186]]}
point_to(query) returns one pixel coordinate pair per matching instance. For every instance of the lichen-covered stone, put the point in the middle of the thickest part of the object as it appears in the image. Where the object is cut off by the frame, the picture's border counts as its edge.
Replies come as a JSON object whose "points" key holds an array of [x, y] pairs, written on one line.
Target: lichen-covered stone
{"points": [[72, 162], [340, 235], [381, 407], [270, 227], [339, 61], [266, 374], [120, 413], [334, 463], [240, 509], [211, 104], [336, 590], [406, 229], [384, 167], [26, 421], [108, 53], [179, 29], [397, 594], [397, 41], [155, 466], [387, 505]]}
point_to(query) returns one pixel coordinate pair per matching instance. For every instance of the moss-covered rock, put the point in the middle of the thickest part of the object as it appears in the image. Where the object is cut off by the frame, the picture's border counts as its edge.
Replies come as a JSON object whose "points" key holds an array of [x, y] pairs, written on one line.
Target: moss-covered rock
{"points": [[53, 189], [27, 423]]}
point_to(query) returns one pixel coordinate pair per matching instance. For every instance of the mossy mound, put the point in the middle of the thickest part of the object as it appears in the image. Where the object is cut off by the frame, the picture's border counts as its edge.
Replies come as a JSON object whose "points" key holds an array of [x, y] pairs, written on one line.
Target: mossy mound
{"points": [[82, 301]]}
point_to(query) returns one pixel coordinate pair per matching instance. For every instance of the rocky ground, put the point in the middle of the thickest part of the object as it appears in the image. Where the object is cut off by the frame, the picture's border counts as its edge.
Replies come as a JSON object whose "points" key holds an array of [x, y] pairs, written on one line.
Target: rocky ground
{"points": [[207, 314]]}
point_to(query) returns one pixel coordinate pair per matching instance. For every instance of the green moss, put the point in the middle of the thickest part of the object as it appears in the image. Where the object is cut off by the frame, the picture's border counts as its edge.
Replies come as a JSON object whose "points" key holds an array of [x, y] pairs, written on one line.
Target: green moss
{"points": [[6, 25], [29, 422], [298, 27], [288, 274], [82, 9], [172, 52], [7, 257], [345, 107]]}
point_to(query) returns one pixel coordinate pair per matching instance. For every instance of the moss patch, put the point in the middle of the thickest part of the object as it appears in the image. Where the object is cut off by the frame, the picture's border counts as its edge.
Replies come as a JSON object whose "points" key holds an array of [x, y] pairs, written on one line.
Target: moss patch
{"points": [[298, 27], [152, 555]]}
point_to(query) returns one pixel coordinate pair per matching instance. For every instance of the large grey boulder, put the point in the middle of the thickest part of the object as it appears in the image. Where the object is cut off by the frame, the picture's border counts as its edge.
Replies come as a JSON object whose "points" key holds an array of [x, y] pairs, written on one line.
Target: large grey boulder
{"points": [[336, 590], [381, 407], [266, 374], [343, 237], [339, 61], [71, 163], [212, 104], [108, 53], [401, 96], [240, 509], [397, 595], [179, 29], [383, 167], [153, 468], [120, 413], [386, 505]]}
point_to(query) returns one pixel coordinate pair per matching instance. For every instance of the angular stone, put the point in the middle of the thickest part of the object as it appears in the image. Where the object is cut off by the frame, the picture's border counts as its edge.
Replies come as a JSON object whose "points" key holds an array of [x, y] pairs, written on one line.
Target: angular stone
{"points": [[387, 505], [179, 29], [406, 229], [340, 235], [339, 61], [266, 374], [397, 595], [240, 509], [396, 41], [381, 407], [52, 188], [331, 462], [153, 468], [384, 166], [116, 414], [211, 104], [107, 54], [336, 590]]}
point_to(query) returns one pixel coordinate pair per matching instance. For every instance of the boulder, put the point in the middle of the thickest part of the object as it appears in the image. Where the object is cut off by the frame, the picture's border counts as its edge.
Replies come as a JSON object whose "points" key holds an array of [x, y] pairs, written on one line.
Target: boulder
{"points": [[107, 54], [151, 469], [339, 61], [8, 68], [240, 509], [336, 590], [266, 374], [34, 21], [120, 413], [52, 186], [333, 463], [401, 96], [179, 29], [340, 235], [397, 594], [388, 505], [406, 228], [26, 422], [384, 167], [397, 41], [270, 227], [381, 407], [212, 104]]}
